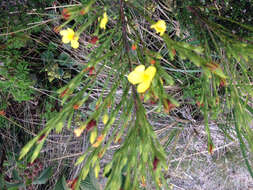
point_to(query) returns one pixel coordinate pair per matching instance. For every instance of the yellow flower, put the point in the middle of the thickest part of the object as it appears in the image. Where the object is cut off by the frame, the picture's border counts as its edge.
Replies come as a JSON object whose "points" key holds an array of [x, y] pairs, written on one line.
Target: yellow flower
{"points": [[79, 131], [104, 21], [159, 26], [142, 77], [69, 36]]}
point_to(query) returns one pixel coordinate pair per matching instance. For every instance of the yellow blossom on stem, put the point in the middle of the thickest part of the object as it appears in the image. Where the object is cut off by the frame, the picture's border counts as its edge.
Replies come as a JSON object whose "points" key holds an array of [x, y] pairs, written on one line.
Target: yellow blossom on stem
{"points": [[159, 26], [98, 141], [79, 131], [105, 118], [68, 35], [142, 77], [104, 21]]}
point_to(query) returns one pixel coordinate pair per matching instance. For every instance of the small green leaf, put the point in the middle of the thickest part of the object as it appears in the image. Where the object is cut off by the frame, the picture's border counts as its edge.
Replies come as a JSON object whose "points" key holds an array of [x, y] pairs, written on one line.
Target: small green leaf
{"points": [[90, 182], [1, 181], [12, 186], [44, 176], [15, 175], [220, 73], [26, 148], [61, 184]]}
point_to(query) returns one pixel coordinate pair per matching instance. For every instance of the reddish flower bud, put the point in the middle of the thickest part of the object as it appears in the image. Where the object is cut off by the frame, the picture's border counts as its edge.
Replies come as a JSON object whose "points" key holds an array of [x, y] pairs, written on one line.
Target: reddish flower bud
{"points": [[76, 107], [93, 40], [119, 140], [200, 105], [99, 140], [101, 153], [57, 29], [152, 61], [97, 106], [210, 148], [72, 183], [2, 112], [41, 138], [155, 162], [223, 83], [91, 69], [64, 92], [134, 47], [65, 14], [26, 172], [173, 51], [82, 12], [91, 125], [168, 106], [152, 101]]}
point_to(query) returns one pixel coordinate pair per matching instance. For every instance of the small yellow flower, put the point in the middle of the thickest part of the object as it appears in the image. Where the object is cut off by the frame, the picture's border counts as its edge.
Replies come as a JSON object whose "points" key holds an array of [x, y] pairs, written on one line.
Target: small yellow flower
{"points": [[104, 21], [79, 131], [105, 118], [68, 35], [142, 77], [159, 26]]}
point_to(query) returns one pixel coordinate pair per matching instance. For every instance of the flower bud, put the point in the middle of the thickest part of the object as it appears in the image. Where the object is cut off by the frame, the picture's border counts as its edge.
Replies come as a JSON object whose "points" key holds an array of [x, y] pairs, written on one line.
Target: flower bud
{"points": [[64, 92], [93, 136], [168, 106], [105, 119], [134, 47], [65, 14], [93, 40], [2, 112], [155, 162], [76, 107], [98, 141], [91, 125]]}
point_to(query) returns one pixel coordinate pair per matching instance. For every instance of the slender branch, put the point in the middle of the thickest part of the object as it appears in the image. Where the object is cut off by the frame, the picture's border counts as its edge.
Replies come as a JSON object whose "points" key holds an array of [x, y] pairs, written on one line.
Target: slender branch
{"points": [[127, 48]]}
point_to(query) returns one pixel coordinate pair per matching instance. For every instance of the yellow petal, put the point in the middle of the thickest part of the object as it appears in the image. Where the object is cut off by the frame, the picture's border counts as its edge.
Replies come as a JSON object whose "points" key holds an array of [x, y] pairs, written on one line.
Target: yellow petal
{"points": [[150, 72], [70, 31], [78, 131], [139, 68], [63, 32], [136, 77], [65, 39], [74, 44], [105, 118], [104, 21], [159, 26], [142, 87]]}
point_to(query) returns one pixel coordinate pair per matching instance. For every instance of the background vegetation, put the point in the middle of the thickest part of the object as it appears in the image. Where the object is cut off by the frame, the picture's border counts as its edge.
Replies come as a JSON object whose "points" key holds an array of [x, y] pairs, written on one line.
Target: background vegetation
{"points": [[197, 113]]}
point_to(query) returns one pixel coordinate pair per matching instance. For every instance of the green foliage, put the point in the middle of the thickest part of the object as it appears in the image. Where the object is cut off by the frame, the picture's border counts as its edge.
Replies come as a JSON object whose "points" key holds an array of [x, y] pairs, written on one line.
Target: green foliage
{"points": [[16, 79], [43, 177], [61, 184], [213, 66]]}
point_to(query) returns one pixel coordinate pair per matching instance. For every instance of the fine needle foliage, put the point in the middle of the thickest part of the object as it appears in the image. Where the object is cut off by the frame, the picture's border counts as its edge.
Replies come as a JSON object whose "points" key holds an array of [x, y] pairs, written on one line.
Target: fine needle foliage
{"points": [[137, 75]]}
